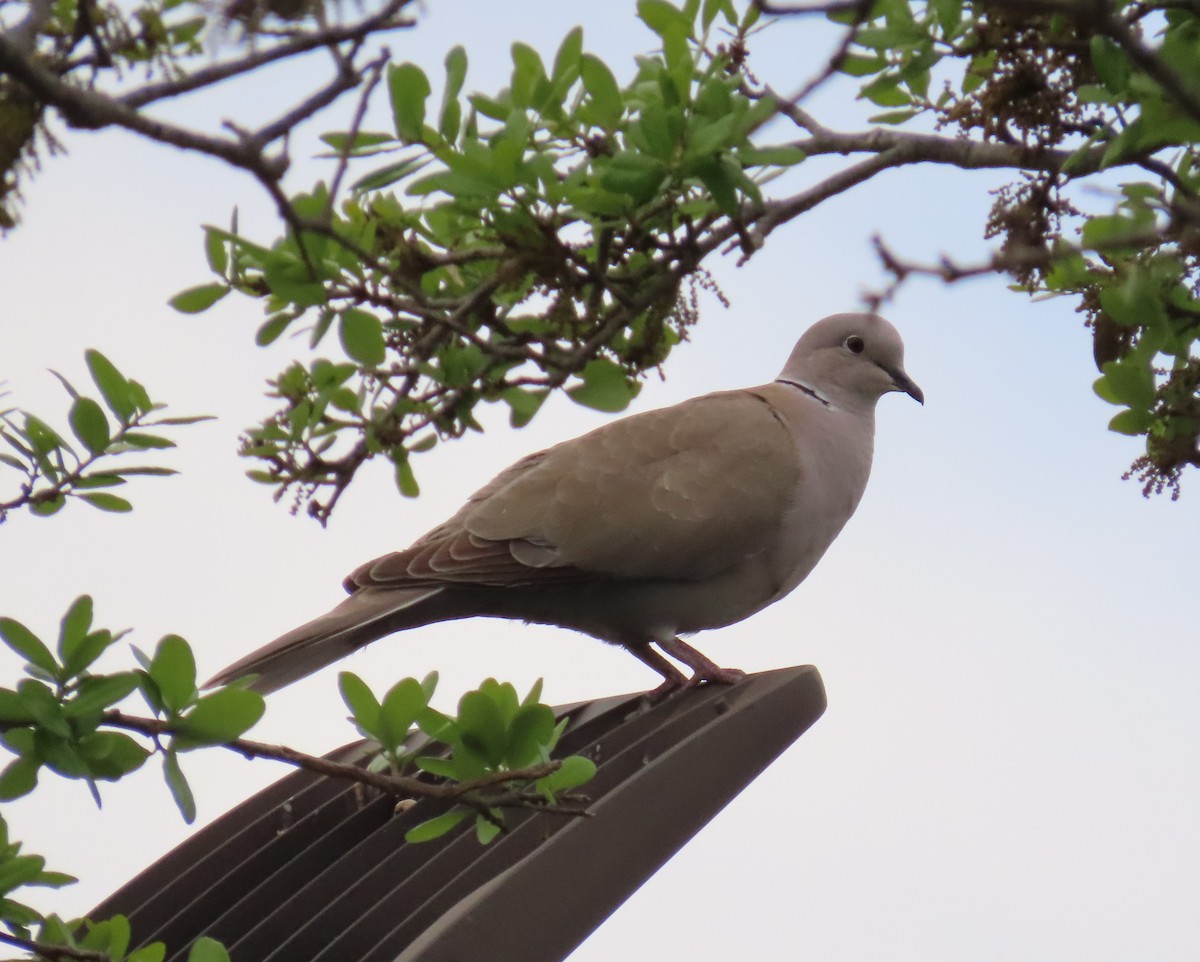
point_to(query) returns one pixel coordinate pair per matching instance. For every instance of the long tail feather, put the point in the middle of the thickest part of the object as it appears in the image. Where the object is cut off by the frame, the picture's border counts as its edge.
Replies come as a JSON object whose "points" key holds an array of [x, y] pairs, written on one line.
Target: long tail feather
{"points": [[362, 618]]}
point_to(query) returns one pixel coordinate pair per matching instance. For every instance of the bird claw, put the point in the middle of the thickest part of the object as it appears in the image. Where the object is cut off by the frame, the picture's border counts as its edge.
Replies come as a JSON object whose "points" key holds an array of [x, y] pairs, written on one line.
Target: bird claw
{"points": [[715, 676]]}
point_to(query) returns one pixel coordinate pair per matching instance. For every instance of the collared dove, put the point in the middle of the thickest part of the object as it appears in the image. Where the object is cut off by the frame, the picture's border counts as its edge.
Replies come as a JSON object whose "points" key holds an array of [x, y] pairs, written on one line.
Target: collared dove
{"points": [[653, 526]]}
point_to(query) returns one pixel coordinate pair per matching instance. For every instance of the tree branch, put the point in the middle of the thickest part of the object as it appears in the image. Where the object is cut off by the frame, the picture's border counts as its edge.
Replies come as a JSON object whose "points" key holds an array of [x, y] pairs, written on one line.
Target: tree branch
{"points": [[48, 950], [384, 21], [400, 785]]}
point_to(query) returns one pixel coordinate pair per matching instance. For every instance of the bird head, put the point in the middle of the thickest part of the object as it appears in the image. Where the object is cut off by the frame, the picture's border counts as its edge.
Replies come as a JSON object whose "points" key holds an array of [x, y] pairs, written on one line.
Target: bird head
{"points": [[851, 360]]}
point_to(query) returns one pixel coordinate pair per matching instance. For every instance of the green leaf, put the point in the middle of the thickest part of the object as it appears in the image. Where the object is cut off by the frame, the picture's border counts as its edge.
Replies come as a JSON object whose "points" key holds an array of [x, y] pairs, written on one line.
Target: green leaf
{"points": [[1131, 422], [436, 766], [713, 7], [100, 691], [893, 116], [949, 16], [91, 648], [20, 870], [221, 717], [398, 712], [197, 299], [485, 829], [180, 790], [1111, 64], [362, 338], [98, 480], [140, 439], [638, 175], [45, 707], [26, 644], [112, 384], [406, 479], [570, 53], [575, 771], [409, 88], [1128, 382], [528, 73], [531, 729], [363, 705], [436, 827], [660, 16], [386, 176], [270, 330], [53, 880], [154, 952], [18, 778], [173, 670], [216, 251], [89, 424], [74, 627], [436, 725], [524, 404], [107, 502], [602, 87], [535, 694], [456, 70], [885, 91], [112, 755], [605, 387], [45, 508], [363, 143], [481, 726], [205, 949], [13, 711]]}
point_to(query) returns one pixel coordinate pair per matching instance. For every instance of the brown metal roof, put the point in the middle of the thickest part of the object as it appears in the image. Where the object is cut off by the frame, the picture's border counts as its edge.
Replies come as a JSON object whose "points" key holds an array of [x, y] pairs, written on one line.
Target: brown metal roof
{"points": [[313, 869]]}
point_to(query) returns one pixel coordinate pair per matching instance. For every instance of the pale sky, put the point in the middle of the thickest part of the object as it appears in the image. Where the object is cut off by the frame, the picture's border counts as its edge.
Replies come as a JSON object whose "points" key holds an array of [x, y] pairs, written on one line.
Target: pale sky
{"points": [[1007, 769]]}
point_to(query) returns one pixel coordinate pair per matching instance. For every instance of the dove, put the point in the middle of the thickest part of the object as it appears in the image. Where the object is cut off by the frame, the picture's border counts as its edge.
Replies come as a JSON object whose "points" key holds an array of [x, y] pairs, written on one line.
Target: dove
{"points": [[652, 527]]}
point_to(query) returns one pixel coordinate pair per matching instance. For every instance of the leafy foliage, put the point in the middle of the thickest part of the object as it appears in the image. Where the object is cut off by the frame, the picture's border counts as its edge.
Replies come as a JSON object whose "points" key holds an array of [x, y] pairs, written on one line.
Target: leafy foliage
{"points": [[508, 245], [64, 717], [494, 732], [1110, 86], [53, 469], [544, 236]]}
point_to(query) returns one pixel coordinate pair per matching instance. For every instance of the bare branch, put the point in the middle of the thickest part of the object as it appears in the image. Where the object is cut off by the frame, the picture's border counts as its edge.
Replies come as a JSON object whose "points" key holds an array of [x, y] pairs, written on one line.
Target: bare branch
{"points": [[1011, 259], [385, 20]]}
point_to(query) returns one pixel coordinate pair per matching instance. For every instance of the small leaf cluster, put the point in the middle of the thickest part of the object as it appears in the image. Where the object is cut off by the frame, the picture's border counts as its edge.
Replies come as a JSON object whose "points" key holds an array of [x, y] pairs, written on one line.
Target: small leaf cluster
{"points": [[168, 684], [504, 246], [49, 469], [494, 731], [17, 871], [53, 717], [58, 716], [1100, 88]]}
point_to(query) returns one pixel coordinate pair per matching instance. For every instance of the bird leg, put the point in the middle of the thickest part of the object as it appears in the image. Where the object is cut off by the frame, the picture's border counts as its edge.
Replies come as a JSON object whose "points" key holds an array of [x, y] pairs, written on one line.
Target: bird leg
{"points": [[703, 669], [673, 678]]}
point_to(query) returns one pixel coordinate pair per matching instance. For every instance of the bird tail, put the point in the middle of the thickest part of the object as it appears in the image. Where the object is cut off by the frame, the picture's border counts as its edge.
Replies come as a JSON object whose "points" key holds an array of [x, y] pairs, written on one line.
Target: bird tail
{"points": [[362, 618]]}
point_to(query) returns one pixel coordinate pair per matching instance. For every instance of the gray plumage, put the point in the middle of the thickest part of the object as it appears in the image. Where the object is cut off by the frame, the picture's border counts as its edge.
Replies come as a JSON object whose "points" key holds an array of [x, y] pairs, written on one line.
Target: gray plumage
{"points": [[655, 525]]}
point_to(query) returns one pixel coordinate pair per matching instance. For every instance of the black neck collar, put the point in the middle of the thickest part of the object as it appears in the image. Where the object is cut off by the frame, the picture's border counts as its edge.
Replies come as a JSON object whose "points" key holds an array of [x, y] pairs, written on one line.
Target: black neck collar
{"points": [[805, 389]]}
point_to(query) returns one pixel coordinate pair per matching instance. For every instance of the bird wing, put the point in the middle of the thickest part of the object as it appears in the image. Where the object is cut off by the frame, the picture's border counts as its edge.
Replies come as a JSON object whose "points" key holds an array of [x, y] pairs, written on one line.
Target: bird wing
{"points": [[679, 493]]}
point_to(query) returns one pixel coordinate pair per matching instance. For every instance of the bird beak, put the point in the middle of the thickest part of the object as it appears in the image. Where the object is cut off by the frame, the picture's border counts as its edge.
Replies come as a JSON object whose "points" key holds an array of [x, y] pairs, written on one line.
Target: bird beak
{"points": [[902, 382]]}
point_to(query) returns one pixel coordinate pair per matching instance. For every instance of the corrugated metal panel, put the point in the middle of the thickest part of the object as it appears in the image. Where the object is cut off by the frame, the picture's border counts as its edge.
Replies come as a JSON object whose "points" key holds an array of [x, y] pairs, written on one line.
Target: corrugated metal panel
{"points": [[315, 870]]}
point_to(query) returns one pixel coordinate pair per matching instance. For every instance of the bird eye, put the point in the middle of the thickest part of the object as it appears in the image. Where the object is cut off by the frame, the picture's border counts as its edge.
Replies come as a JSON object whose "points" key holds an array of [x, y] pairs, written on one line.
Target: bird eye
{"points": [[855, 344]]}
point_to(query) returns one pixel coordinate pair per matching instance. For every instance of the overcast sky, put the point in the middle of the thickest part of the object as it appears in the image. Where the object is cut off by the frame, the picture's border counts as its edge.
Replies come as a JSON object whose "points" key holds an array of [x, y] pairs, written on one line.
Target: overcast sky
{"points": [[1008, 766]]}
